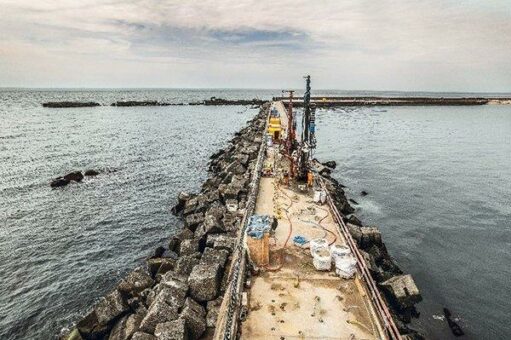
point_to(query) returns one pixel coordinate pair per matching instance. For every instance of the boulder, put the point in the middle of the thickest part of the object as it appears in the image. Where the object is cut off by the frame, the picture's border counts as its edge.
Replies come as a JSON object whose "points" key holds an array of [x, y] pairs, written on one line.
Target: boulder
{"points": [[212, 312], [76, 176], [135, 282], [185, 264], [353, 220], [330, 164], [175, 240], [111, 307], [125, 327], [175, 288], [167, 264], [193, 220], [189, 246], [195, 318], [211, 225], [90, 328], [204, 282], [159, 312], [143, 336], [355, 232], [172, 330], [221, 241], [59, 182], [370, 236], [402, 290], [91, 172], [182, 198], [212, 256]]}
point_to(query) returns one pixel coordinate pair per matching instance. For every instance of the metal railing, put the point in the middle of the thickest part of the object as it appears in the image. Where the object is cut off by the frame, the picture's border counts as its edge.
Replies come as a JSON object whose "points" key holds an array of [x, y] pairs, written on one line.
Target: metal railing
{"points": [[377, 301]]}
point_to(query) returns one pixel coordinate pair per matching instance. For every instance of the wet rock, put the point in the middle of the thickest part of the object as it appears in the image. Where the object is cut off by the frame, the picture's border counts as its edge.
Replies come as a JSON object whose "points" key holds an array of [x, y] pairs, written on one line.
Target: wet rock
{"points": [[111, 307], [135, 282], [213, 308], [455, 328], [159, 312], [402, 290], [182, 198], [59, 182], [175, 241], [330, 164], [125, 328], [189, 246], [90, 327], [172, 330], [204, 282], [355, 232], [370, 236], [76, 176], [91, 172], [353, 201], [195, 318], [192, 221], [73, 335], [185, 264], [353, 220], [143, 336], [167, 264]]}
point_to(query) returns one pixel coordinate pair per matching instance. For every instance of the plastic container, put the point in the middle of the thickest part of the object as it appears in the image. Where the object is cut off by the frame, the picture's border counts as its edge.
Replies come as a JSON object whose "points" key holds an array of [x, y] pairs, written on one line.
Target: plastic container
{"points": [[339, 251], [318, 243], [321, 259], [346, 266]]}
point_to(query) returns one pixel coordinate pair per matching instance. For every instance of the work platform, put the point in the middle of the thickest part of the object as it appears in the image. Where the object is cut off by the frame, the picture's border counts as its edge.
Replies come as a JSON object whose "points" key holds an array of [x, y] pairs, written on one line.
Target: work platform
{"points": [[290, 298]]}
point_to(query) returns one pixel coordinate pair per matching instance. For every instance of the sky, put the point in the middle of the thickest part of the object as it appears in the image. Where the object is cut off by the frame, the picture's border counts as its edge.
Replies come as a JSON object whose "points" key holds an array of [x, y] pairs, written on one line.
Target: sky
{"points": [[427, 45]]}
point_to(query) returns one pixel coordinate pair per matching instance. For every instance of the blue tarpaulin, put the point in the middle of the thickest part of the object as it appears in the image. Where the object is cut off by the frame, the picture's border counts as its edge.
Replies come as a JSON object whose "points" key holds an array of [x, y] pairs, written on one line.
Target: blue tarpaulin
{"points": [[258, 225]]}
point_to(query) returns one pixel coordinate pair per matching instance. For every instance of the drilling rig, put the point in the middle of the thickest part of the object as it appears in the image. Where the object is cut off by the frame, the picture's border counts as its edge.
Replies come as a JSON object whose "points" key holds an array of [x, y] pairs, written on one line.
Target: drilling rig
{"points": [[307, 144]]}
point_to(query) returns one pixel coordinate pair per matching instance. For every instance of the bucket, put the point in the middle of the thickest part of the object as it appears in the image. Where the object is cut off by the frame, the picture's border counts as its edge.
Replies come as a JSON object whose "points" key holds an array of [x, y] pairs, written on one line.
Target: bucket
{"points": [[318, 243], [339, 251], [346, 266], [321, 259]]}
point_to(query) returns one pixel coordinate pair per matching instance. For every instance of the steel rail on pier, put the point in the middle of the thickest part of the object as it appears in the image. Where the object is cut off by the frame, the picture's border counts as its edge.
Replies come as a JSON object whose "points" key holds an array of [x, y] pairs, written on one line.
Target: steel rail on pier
{"points": [[379, 304]]}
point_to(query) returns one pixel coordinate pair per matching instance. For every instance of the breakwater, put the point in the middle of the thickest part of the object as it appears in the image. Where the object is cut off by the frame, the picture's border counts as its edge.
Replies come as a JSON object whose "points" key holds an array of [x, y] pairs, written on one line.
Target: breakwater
{"points": [[179, 291], [397, 101]]}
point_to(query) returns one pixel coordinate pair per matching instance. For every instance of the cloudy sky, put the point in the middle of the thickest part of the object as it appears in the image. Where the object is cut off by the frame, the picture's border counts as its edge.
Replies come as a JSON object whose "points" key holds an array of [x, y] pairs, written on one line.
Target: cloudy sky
{"points": [[438, 45]]}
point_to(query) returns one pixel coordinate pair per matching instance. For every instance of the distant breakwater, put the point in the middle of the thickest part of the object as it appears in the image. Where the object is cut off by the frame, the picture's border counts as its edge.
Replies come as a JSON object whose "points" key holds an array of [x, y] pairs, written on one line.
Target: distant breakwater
{"points": [[318, 101]]}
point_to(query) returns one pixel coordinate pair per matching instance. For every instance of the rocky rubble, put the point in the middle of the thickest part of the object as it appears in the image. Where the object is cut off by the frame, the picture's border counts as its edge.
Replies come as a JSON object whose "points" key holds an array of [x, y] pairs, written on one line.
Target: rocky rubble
{"points": [[179, 292], [398, 289]]}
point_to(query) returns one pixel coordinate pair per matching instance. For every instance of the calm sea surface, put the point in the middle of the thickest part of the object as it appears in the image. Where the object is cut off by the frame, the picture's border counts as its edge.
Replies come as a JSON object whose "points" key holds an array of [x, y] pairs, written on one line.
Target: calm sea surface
{"points": [[439, 183]]}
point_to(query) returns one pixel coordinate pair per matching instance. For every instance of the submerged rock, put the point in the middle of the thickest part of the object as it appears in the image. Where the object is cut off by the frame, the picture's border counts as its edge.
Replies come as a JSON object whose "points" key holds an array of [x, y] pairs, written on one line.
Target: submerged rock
{"points": [[59, 182], [91, 172], [76, 176]]}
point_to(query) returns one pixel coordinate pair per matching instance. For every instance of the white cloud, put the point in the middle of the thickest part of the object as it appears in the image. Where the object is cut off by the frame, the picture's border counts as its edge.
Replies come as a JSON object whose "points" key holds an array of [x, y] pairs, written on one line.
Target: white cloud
{"points": [[366, 44]]}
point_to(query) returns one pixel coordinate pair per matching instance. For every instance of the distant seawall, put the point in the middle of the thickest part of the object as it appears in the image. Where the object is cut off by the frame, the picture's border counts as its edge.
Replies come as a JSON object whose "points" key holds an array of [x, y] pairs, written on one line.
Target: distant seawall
{"points": [[318, 101], [396, 101]]}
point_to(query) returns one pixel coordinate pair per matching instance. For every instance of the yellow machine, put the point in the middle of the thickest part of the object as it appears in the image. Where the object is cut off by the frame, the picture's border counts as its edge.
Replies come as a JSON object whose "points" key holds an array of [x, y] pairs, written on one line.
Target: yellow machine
{"points": [[274, 128]]}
